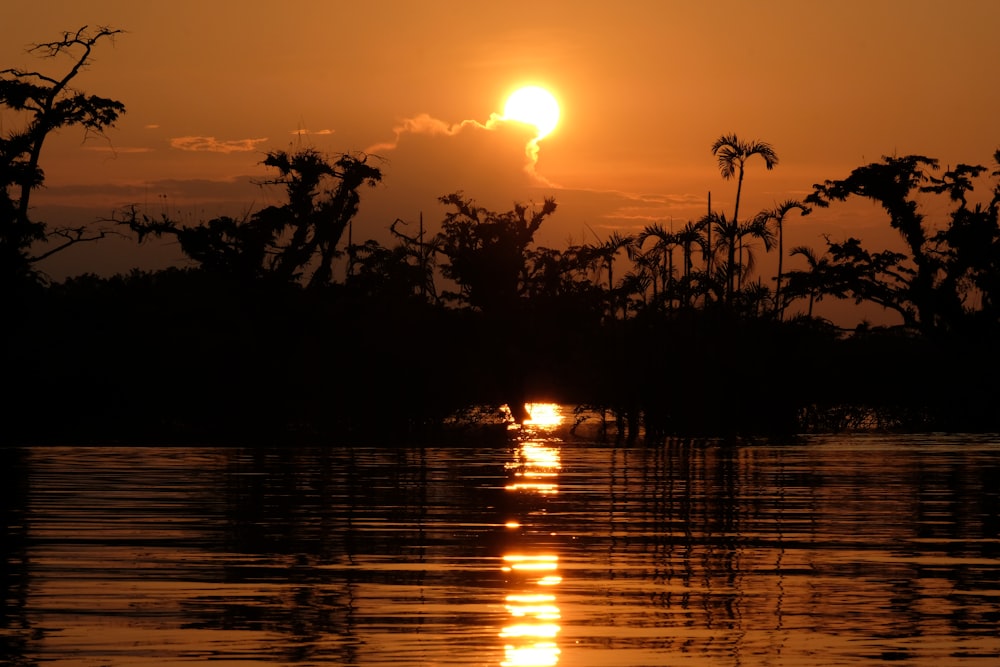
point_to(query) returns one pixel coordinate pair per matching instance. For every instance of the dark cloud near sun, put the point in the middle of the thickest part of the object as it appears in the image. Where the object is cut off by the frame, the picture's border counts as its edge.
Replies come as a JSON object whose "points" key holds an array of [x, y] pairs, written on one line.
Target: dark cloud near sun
{"points": [[496, 135], [494, 163], [428, 158]]}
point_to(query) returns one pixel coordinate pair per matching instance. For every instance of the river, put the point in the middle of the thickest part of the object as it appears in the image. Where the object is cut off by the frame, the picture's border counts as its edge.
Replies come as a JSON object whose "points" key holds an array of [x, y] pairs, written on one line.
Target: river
{"points": [[553, 550]]}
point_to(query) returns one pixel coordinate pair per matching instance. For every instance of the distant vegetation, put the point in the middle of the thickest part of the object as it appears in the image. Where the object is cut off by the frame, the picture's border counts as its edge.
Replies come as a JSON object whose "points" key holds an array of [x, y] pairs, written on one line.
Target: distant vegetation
{"points": [[280, 329]]}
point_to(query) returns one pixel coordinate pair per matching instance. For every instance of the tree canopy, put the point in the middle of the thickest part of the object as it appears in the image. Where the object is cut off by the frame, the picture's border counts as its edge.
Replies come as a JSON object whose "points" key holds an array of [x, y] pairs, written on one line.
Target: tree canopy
{"points": [[49, 103]]}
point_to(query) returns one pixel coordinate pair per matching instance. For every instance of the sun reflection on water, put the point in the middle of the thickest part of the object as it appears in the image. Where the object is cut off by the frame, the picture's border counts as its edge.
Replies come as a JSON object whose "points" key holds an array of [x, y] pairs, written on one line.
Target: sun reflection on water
{"points": [[537, 463], [540, 654], [530, 636], [530, 563]]}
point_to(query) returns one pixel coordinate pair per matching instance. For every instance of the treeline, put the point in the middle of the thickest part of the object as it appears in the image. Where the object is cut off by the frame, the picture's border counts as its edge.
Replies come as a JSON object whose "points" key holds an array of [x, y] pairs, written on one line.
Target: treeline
{"points": [[182, 355], [279, 329]]}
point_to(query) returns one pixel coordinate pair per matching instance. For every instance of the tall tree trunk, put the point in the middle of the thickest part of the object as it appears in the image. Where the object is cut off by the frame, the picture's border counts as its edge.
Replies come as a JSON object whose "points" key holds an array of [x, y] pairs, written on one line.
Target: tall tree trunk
{"points": [[732, 244]]}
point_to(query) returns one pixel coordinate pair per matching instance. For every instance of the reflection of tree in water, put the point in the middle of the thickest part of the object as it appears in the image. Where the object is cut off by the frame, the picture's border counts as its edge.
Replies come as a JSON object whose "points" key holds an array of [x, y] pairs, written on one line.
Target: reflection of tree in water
{"points": [[756, 540], [297, 523], [726, 547], [692, 520], [332, 544], [683, 513], [675, 510], [16, 633]]}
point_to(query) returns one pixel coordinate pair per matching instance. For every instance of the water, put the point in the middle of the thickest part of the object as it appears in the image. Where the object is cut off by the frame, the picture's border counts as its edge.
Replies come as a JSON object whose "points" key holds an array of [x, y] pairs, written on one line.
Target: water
{"points": [[553, 551]]}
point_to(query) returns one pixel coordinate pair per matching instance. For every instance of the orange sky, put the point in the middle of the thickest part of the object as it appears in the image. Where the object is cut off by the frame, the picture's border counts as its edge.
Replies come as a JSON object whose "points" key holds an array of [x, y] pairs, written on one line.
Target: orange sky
{"points": [[645, 88]]}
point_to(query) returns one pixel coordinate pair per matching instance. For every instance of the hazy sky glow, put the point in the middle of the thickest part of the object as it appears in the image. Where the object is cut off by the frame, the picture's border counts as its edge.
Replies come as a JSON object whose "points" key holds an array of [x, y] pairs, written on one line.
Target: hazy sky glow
{"points": [[644, 87]]}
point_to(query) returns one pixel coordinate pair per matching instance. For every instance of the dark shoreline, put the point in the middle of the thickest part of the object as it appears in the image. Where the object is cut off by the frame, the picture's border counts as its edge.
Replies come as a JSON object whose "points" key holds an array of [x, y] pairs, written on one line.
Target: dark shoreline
{"points": [[189, 361]]}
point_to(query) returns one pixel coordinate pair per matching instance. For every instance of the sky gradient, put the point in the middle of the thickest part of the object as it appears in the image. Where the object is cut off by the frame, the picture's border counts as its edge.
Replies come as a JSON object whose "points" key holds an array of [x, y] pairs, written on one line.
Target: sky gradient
{"points": [[644, 87]]}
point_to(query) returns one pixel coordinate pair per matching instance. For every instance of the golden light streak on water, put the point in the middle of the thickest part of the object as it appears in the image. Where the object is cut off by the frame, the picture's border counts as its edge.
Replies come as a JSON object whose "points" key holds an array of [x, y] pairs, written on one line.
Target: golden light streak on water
{"points": [[531, 557], [539, 606], [544, 489], [543, 612], [530, 598], [536, 468], [530, 635], [542, 456], [523, 563], [544, 630], [540, 654]]}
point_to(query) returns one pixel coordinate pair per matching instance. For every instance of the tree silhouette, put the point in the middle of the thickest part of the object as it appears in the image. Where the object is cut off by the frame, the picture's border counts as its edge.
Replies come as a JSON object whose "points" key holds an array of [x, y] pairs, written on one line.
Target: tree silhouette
{"points": [[415, 248], [566, 275], [690, 236], [485, 252], [727, 234], [279, 243], [969, 246], [604, 254], [756, 228], [733, 154], [808, 283], [649, 264], [51, 104], [663, 253], [778, 214], [390, 274], [929, 286]]}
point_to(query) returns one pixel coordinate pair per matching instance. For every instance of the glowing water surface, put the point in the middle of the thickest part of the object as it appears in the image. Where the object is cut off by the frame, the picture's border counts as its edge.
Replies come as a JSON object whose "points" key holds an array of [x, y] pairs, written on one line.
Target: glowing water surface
{"points": [[551, 551]]}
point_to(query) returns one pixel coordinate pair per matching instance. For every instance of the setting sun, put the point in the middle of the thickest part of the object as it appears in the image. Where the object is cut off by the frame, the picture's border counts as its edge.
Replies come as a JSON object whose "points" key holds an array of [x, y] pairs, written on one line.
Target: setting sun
{"points": [[535, 106]]}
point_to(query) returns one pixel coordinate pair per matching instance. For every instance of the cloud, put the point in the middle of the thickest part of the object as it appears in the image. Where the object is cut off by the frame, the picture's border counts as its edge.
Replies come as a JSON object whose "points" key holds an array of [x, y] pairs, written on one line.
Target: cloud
{"points": [[428, 158], [648, 208], [301, 132], [213, 145], [496, 164], [427, 125], [422, 124]]}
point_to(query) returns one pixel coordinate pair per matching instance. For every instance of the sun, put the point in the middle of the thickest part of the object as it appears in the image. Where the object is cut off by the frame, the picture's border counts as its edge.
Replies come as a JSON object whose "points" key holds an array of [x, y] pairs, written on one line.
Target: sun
{"points": [[535, 106]]}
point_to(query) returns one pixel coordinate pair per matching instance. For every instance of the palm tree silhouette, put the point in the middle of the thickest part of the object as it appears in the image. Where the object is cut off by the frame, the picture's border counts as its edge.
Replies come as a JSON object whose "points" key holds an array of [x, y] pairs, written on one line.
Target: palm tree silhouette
{"points": [[733, 153], [755, 228], [727, 234], [690, 236], [666, 241], [605, 255], [649, 263], [810, 282], [778, 214]]}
